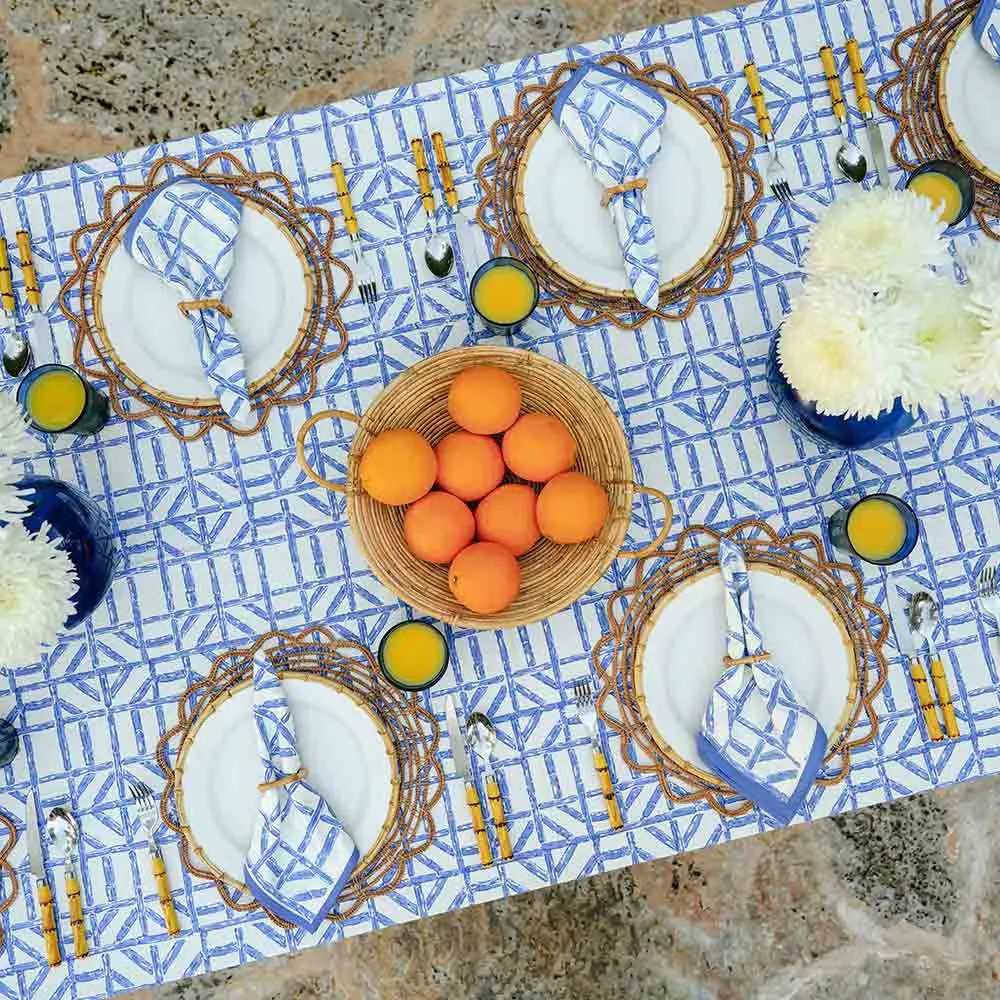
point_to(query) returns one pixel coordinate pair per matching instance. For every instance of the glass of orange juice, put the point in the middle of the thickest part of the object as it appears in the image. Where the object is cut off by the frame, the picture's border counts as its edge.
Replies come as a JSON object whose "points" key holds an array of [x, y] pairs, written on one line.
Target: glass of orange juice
{"points": [[504, 294], [880, 529], [413, 655], [59, 400], [948, 186]]}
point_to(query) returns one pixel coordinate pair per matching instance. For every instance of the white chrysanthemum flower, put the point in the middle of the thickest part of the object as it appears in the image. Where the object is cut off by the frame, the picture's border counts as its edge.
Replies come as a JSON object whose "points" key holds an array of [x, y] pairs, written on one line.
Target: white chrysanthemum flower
{"points": [[949, 335], [36, 585], [848, 351], [878, 239], [12, 504], [982, 265], [15, 438]]}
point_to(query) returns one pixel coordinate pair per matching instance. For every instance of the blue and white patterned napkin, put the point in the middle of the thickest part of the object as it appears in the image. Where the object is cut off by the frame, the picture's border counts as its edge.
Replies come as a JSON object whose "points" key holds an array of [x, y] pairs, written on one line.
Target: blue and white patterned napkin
{"points": [[986, 26], [756, 734], [300, 855], [185, 232], [613, 121]]}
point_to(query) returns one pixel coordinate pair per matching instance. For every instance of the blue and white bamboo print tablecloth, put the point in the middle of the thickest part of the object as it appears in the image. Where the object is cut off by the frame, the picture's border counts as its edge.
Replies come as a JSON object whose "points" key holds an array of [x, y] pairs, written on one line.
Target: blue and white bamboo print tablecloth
{"points": [[225, 538]]}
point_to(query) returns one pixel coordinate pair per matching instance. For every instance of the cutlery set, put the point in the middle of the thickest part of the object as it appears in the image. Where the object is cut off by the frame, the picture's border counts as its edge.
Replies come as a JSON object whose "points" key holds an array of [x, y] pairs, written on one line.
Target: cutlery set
{"points": [[914, 625], [850, 160], [18, 359], [63, 834]]}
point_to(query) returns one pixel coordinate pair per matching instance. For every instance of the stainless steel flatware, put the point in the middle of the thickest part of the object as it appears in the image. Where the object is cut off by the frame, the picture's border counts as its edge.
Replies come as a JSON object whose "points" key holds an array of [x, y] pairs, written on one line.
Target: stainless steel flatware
{"points": [[464, 223], [908, 647], [456, 740], [850, 159], [924, 616], [32, 290], [872, 130], [774, 173], [33, 844], [988, 594], [17, 359], [64, 834], [482, 737], [149, 816], [587, 711], [438, 253], [364, 273]]}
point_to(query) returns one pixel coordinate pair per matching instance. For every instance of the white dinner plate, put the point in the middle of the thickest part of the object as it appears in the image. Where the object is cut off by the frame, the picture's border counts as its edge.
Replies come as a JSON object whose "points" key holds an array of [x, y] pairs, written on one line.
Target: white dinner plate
{"points": [[689, 199], [682, 645], [345, 749], [269, 291], [969, 87]]}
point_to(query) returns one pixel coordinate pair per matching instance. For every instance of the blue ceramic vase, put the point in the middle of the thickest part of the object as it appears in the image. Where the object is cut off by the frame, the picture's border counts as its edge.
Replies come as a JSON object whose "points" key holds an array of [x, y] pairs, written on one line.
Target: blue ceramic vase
{"points": [[84, 532], [849, 433]]}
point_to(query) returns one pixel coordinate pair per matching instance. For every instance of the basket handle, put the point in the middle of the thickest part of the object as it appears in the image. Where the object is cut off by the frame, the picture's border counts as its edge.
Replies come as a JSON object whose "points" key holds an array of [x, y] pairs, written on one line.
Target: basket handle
{"points": [[300, 446], [661, 535]]}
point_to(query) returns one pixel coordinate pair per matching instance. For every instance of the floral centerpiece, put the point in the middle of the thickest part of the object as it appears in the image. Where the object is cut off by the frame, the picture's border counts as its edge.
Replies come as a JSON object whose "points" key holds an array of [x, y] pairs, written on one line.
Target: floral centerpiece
{"points": [[883, 325], [37, 576]]}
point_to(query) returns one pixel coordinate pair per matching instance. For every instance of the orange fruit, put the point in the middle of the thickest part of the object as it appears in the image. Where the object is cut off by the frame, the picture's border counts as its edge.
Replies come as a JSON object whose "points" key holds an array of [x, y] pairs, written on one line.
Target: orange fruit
{"points": [[485, 578], [398, 467], [484, 399], [572, 508], [468, 465], [538, 447], [437, 527], [507, 516]]}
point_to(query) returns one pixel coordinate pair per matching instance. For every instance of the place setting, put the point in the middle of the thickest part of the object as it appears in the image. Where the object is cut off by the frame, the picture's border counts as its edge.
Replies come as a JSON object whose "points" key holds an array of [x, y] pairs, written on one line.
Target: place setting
{"points": [[220, 334]]}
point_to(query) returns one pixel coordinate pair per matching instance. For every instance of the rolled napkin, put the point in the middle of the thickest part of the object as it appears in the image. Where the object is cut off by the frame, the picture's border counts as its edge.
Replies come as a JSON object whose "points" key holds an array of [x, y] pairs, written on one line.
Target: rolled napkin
{"points": [[613, 121], [185, 232], [300, 855], [756, 734], [986, 26]]}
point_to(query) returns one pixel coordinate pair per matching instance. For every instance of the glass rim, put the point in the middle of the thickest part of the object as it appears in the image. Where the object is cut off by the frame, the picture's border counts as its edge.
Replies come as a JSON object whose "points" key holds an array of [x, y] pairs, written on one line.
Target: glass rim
{"points": [[898, 502], [28, 380], [395, 681], [503, 261]]}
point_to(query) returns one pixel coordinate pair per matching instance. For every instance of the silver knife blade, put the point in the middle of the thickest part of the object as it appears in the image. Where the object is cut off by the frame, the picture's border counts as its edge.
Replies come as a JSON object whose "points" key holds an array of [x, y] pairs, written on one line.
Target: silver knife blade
{"points": [[33, 838], [878, 151], [900, 623], [456, 738]]}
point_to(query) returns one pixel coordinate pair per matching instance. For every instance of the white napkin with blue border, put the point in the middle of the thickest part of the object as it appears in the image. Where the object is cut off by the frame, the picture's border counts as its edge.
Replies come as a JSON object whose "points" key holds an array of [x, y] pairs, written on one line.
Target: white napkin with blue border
{"points": [[614, 122], [185, 232], [986, 27], [756, 734], [300, 855]]}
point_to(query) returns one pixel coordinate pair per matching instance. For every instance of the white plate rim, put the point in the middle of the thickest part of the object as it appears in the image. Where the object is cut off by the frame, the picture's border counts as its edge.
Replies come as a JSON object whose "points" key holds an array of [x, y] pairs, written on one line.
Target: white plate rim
{"points": [[692, 106], [209, 402], [949, 124], [693, 770], [205, 712]]}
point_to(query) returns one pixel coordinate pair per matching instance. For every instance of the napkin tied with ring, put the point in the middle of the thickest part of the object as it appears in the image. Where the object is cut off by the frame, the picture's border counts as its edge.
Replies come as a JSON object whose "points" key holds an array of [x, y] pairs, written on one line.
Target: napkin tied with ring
{"points": [[756, 734], [986, 27], [185, 232], [614, 123], [300, 855]]}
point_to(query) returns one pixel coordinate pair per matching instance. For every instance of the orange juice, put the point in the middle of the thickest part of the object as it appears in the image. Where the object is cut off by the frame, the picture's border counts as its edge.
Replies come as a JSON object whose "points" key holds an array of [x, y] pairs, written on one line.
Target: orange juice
{"points": [[56, 399], [413, 655], [942, 192], [504, 294], [876, 529]]}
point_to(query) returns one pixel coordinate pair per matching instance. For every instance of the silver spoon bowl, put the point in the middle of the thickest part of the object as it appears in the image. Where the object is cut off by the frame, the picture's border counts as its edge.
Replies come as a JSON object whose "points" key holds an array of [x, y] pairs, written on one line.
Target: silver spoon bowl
{"points": [[63, 830], [924, 616], [439, 255], [482, 736], [851, 160]]}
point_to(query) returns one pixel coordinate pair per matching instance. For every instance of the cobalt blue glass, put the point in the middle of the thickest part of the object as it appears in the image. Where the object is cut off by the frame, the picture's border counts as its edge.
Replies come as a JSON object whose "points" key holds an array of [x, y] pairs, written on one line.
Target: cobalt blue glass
{"points": [[959, 176], [849, 433], [10, 744], [84, 531], [839, 528], [503, 329]]}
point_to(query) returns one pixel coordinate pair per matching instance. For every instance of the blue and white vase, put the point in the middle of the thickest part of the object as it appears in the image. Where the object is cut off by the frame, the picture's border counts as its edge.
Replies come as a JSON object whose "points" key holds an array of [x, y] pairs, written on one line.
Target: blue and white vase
{"points": [[849, 433], [83, 531]]}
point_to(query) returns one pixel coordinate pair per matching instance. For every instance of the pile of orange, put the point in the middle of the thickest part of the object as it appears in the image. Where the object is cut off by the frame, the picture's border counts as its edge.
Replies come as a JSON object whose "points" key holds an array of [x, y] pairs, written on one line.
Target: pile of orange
{"points": [[494, 441]]}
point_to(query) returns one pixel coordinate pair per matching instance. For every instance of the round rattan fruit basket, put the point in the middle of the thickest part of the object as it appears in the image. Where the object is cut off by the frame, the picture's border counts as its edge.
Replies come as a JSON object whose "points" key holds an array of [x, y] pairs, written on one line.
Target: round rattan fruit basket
{"points": [[553, 576]]}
